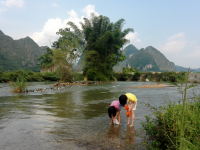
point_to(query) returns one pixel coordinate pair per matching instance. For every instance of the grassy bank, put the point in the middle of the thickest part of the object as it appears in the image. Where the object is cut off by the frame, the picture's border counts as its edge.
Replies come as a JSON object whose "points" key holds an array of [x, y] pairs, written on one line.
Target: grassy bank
{"points": [[156, 77], [30, 76], [175, 125]]}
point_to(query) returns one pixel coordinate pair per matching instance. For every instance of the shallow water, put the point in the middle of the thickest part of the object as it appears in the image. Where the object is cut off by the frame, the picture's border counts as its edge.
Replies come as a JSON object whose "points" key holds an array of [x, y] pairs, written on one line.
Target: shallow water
{"points": [[73, 118]]}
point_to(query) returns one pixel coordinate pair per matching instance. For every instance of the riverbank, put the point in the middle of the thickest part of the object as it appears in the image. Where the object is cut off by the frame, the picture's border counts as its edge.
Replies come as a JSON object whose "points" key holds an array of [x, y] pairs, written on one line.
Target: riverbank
{"points": [[152, 86]]}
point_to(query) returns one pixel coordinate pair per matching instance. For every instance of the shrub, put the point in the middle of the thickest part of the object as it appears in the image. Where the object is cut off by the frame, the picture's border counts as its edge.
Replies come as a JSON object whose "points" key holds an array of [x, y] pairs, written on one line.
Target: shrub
{"points": [[79, 77], [50, 76], [136, 76], [19, 85], [174, 126]]}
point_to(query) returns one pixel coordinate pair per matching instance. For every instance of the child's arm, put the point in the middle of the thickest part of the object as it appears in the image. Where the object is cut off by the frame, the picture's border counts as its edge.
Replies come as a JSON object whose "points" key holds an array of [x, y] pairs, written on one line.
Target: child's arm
{"points": [[119, 118], [111, 121]]}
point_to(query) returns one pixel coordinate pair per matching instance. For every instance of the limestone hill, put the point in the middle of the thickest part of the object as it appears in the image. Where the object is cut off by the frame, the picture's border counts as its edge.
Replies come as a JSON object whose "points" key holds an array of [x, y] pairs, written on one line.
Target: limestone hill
{"points": [[148, 59], [19, 54]]}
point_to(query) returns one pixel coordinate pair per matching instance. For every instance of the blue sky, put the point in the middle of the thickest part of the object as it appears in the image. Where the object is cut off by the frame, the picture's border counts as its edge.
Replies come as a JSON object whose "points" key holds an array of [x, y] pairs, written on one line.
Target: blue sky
{"points": [[171, 26]]}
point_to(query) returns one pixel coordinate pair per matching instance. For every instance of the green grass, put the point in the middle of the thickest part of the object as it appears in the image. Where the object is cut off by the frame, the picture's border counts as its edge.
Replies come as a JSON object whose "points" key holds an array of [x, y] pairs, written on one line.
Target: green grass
{"points": [[175, 125], [19, 86]]}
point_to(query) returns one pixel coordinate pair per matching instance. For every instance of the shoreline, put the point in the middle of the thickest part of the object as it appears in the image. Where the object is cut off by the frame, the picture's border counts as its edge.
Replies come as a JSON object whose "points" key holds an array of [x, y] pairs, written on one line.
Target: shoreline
{"points": [[152, 86]]}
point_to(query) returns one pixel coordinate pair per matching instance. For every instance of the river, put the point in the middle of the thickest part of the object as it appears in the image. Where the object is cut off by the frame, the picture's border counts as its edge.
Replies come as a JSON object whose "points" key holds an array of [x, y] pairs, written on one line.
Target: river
{"points": [[73, 118]]}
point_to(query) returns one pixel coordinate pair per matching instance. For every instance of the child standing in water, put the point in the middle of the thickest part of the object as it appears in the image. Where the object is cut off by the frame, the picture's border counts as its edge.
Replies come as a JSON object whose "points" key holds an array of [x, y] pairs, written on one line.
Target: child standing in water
{"points": [[129, 101], [114, 112]]}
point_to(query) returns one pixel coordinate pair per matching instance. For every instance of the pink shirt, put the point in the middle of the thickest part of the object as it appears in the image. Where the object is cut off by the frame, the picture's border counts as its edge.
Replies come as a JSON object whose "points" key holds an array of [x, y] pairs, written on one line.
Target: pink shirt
{"points": [[115, 104]]}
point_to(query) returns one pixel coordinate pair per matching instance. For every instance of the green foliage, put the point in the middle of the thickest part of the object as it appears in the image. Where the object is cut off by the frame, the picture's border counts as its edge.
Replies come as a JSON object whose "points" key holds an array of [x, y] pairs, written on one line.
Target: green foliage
{"points": [[3, 77], [163, 128], [130, 74], [19, 85], [95, 75], [136, 75], [174, 126], [103, 42], [79, 77], [157, 77], [163, 76], [120, 76], [46, 60], [28, 76], [50, 76], [129, 70], [63, 55]]}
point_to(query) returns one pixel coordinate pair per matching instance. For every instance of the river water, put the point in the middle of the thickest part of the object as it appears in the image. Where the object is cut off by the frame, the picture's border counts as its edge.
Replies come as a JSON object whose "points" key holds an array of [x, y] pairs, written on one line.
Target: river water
{"points": [[73, 118]]}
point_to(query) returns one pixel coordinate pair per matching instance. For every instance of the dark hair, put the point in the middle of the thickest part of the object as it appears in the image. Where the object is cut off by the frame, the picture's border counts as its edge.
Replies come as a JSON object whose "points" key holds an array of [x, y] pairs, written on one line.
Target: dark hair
{"points": [[123, 100], [111, 111]]}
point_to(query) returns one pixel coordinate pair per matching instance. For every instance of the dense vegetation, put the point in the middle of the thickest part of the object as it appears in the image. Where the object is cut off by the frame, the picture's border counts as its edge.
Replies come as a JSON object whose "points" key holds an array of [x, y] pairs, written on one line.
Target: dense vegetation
{"points": [[98, 43], [103, 41], [30, 76], [128, 74], [175, 125], [132, 74]]}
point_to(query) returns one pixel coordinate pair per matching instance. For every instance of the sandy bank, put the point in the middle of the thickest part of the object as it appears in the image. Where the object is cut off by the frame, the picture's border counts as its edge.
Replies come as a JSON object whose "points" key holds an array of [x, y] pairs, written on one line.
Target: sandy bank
{"points": [[152, 86]]}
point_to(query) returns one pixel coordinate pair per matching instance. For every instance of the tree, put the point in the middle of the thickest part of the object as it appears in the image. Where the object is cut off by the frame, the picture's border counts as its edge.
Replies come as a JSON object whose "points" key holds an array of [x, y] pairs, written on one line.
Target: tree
{"points": [[46, 60], [104, 40], [66, 52]]}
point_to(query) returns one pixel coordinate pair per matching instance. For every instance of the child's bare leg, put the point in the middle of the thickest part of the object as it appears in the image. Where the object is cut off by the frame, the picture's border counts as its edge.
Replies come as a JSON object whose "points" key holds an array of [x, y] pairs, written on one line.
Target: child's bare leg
{"points": [[133, 117], [128, 120]]}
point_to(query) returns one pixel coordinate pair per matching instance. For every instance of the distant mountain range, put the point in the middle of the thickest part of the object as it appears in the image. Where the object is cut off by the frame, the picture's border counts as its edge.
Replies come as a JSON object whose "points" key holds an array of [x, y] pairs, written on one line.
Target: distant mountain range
{"points": [[19, 54], [24, 54], [179, 68], [148, 59]]}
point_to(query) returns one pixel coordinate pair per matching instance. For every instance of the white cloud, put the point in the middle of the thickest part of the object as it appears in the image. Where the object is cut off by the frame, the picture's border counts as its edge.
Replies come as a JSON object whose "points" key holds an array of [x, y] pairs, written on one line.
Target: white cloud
{"points": [[11, 3], [133, 37], [54, 5], [48, 33], [195, 53], [138, 41], [175, 43], [2, 10], [89, 9]]}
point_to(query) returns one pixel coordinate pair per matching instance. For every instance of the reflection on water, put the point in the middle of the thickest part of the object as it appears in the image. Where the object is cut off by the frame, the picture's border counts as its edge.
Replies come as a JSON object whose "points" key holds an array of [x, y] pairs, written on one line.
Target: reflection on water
{"points": [[75, 118]]}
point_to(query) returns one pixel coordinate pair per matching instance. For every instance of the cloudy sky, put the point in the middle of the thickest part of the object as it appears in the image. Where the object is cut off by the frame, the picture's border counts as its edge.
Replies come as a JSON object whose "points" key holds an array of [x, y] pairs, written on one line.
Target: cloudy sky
{"points": [[171, 26]]}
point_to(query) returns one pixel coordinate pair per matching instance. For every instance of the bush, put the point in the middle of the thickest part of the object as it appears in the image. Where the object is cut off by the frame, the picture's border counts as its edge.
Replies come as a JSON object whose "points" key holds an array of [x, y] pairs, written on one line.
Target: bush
{"points": [[95, 75], [79, 77], [50, 76], [174, 126], [119, 76], [164, 131], [136, 76], [19, 86]]}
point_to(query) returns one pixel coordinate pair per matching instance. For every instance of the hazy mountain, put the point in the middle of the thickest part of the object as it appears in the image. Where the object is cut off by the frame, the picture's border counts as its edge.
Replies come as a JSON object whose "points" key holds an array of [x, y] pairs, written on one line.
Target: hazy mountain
{"points": [[179, 68], [19, 54], [149, 59], [130, 50]]}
